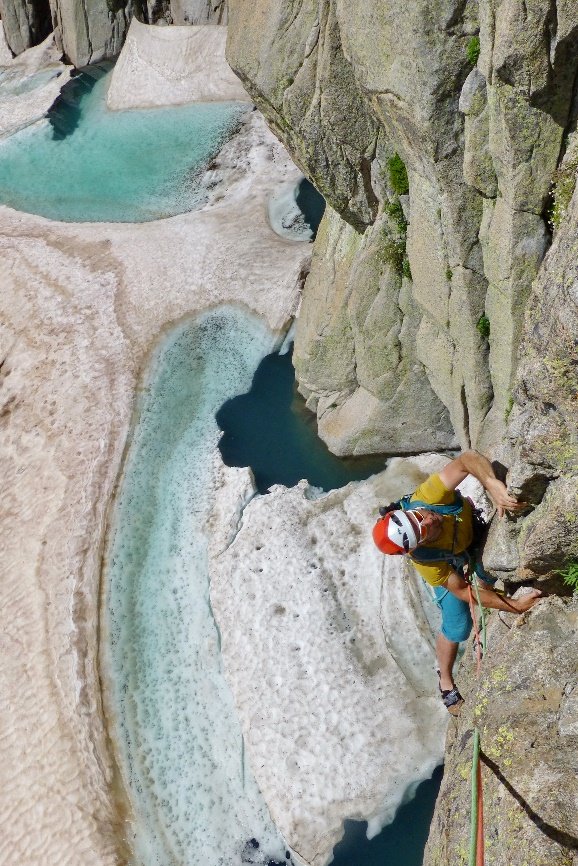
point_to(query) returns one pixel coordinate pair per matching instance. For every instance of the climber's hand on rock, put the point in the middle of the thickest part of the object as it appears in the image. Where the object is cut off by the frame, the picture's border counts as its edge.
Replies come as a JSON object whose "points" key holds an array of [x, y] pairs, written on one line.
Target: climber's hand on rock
{"points": [[504, 501], [525, 602]]}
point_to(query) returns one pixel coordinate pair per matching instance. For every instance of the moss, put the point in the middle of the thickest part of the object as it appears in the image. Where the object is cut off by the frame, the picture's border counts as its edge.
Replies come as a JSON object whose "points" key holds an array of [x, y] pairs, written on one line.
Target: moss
{"points": [[398, 174], [405, 268], [462, 854], [464, 770], [499, 676], [500, 743], [393, 252], [483, 326], [561, 191], [561, 452], [564, 374], [480, 707], [449, 274], [473, 50], [509, 408]]}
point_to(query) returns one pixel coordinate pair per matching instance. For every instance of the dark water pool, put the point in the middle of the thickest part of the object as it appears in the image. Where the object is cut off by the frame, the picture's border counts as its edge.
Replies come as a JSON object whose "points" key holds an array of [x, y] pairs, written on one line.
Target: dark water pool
{"points": [[311, 204], [271, 430], [402, 842]]}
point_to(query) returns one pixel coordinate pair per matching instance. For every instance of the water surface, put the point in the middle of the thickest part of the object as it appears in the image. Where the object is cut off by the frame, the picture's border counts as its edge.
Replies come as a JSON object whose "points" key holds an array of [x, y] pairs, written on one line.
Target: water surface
{"points": [[402, 842], [173, 718], [84, 163], [271, 430]]}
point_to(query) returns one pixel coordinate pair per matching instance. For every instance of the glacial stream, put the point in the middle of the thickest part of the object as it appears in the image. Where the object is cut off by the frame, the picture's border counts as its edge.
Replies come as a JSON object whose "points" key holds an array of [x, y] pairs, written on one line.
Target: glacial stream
{"points": [[179, 745]]}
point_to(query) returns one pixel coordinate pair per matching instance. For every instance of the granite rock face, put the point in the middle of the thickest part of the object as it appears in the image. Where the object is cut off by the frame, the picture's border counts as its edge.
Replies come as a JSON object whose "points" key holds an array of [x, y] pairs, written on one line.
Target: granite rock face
{"points": [[26, 23], [88, 31], [528, 57], [354, 358], [542, 447], [525, 706], [290, 59], [481, 142]]}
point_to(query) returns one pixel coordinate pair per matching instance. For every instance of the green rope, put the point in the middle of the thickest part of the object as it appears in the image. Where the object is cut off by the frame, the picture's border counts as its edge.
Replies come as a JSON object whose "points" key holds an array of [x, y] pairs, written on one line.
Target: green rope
{"points": [[474, 823]]}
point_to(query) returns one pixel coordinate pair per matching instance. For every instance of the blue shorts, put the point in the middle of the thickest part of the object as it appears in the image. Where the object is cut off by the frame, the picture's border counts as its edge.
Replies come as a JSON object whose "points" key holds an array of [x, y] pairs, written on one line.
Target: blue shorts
{"points": [[456, 617]]}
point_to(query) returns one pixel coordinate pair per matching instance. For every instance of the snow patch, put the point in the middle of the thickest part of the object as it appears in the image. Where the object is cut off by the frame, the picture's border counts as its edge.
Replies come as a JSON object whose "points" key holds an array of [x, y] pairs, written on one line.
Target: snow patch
{"points": [[329, 650]]}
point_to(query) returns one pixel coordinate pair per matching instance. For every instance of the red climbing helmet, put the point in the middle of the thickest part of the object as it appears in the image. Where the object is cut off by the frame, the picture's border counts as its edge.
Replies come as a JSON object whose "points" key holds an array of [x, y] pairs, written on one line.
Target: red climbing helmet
{"points": [[395, 533]]}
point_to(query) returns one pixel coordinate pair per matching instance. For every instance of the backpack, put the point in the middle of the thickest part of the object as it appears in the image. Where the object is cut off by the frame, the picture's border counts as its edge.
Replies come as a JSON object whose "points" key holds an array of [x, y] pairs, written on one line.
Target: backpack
{"points": [[464, 562]]}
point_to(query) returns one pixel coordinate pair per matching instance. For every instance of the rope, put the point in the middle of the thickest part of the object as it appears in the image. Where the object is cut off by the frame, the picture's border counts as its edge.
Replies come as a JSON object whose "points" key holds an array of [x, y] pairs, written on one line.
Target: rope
{"points": [[476, 801], [477, 812]]}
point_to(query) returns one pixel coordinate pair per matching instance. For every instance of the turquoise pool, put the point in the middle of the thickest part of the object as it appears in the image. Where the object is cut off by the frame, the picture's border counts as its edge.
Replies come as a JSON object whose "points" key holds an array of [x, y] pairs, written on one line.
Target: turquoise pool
{"points": [[180, 747], [84, 163]]}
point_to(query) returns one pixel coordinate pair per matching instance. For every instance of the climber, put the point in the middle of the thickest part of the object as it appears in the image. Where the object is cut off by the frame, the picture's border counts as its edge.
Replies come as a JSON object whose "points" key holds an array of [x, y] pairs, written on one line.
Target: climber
{"points": [[435, 527]]}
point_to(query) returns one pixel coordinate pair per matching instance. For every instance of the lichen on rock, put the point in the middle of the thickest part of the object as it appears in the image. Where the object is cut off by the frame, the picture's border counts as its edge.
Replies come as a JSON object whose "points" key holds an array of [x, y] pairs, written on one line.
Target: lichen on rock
{"points": [[526, 709]]}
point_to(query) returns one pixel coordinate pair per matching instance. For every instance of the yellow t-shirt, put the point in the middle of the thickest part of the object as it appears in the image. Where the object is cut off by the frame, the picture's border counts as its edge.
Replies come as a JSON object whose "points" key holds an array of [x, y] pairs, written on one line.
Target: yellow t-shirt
{"points": [[457, 530]]}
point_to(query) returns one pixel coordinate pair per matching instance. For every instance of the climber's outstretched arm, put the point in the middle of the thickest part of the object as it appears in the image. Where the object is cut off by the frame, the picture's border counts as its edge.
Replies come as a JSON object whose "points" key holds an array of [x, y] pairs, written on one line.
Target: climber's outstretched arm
{"points": [[474, 463]]}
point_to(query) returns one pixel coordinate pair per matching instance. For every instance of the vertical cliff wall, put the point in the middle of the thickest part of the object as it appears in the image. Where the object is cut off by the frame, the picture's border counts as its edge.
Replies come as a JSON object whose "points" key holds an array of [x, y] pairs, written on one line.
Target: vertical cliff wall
{"points": [[525, 705], [26, 23], [476, 99]]}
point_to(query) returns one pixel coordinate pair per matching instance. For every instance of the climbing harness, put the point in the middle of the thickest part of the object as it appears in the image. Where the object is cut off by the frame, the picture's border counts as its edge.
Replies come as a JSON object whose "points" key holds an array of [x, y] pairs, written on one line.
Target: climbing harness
{"points": [[460, 562]]}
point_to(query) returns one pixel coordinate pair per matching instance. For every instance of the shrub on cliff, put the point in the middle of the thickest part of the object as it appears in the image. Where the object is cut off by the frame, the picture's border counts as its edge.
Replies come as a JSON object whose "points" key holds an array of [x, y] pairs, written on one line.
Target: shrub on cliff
{"points": [[473, 50], [398, 174]]}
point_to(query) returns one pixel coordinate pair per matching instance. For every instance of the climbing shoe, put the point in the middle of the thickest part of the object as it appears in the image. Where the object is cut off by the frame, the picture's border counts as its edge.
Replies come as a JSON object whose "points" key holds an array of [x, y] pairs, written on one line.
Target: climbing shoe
{"points": [[451, 698], [452, 701]]}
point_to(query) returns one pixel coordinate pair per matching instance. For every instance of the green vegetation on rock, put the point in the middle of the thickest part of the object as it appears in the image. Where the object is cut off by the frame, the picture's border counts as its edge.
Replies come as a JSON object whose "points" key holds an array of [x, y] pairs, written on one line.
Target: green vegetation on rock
{"points": [[395, 211], [395, 245], [473, 50], [561, 191], [483, 326], [398, 174], [569, 575]]}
